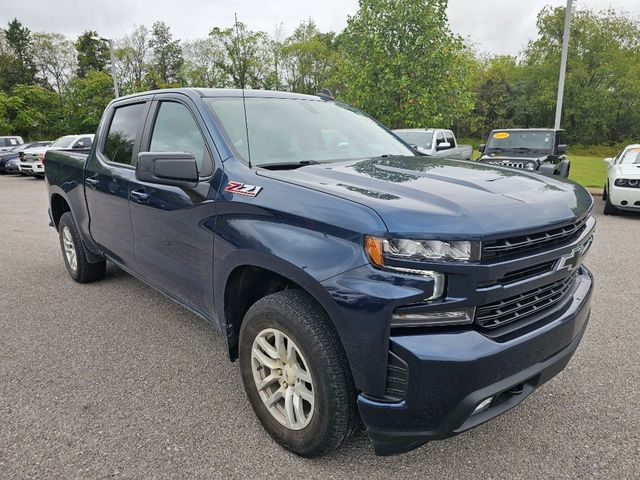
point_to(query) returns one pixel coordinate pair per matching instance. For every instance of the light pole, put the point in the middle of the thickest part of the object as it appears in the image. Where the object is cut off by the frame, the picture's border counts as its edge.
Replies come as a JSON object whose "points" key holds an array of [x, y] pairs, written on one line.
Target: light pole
{"points": [[563, 63], [112, 54]]}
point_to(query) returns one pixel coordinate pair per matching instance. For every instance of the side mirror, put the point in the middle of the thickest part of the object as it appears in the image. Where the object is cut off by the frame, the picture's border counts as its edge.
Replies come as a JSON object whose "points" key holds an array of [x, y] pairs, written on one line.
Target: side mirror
{"points": [[481, 147], [608, 161], [561, 149], [443, 146], [167, 168]]}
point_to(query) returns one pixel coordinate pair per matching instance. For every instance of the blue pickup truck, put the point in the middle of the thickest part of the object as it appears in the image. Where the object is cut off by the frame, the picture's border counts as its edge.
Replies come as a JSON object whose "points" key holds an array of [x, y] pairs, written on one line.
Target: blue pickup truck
{"points": [[354, 280]]}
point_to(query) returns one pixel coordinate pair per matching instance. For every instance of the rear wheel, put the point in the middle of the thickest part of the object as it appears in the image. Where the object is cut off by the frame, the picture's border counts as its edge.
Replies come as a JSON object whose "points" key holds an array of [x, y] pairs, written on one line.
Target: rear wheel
{"points": [[75, 254], [296, 375]]}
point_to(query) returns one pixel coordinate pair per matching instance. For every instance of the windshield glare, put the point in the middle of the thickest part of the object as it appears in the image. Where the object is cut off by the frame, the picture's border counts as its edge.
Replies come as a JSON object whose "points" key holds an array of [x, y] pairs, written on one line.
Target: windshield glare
{"points": [[63, 142], [529, 140], [419, 139], [290, 131]]}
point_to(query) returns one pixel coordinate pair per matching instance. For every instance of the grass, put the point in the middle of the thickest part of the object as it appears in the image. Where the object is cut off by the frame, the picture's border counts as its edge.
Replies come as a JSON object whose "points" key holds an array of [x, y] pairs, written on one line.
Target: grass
{"points": [[588, 171]]}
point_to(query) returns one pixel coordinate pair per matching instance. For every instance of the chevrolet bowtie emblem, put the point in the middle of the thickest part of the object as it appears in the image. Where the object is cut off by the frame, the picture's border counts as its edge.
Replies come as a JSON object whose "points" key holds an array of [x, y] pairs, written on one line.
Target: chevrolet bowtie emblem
{"points": [[571, 260]]}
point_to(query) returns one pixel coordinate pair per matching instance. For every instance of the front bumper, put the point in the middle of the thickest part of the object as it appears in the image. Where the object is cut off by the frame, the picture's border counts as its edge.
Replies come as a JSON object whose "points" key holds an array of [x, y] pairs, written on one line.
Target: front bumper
{"points": [[34, 168], [625, 198], [450, 373]]}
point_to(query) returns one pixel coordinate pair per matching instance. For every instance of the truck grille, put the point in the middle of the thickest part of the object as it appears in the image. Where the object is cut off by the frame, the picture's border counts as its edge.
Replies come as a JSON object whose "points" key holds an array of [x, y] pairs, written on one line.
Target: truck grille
{"points": [[522, 243], [518, 307]]}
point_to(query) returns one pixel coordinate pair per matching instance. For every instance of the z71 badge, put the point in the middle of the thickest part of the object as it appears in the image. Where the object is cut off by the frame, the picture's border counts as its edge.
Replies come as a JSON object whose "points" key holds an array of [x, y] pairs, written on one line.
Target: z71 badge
{"points": [[243, 189]]}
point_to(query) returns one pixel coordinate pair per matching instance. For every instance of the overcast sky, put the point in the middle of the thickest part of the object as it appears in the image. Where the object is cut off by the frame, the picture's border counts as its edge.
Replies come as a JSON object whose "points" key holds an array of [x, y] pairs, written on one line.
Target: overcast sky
{"points": [[494, 26]]}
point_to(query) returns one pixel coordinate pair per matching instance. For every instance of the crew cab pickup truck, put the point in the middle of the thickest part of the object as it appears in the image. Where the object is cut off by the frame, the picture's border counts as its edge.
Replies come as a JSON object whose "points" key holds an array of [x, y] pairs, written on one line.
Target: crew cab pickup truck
{"points": [[535, 149], [435, 142], [350, 276]]}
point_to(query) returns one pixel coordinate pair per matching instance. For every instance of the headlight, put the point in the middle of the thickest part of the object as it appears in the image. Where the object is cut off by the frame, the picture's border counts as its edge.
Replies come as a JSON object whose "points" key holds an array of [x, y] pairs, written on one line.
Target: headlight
{"points": [[621, 182], [420, 250], [633, 183], [529, 166]]}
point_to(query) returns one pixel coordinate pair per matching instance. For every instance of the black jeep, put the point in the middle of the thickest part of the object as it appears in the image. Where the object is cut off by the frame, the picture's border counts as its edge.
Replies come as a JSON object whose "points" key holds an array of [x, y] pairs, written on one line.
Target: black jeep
{"points": [[543, 150]]}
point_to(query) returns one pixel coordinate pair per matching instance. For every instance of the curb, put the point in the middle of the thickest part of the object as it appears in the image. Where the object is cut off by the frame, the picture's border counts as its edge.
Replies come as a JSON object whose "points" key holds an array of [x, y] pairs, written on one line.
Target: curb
{"points": [[596, 192]]}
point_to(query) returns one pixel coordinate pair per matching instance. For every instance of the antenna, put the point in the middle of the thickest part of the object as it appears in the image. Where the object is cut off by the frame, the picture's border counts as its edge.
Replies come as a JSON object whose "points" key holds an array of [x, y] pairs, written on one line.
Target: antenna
{"points": [[244, 100]]}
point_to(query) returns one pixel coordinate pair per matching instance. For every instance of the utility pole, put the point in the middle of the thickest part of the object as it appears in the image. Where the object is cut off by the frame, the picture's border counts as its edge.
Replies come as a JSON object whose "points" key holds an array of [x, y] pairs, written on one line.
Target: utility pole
{"points": [[563, 63], [112, 55]]}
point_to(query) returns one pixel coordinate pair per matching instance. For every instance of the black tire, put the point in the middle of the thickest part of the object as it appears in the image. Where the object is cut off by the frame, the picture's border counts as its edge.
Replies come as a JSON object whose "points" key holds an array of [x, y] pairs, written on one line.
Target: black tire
{"points": [[605, 195], [564, 169], [84, 272], [335, 417], [609, 208]]}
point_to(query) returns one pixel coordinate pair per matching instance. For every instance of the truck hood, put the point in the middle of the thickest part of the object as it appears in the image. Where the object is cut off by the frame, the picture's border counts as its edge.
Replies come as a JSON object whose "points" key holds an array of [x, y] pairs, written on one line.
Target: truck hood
{"points": [[628, 171], [429, 197]]}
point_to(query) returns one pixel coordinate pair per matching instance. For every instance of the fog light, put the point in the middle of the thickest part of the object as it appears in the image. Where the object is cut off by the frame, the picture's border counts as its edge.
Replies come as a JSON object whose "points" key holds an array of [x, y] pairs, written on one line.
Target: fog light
{"points": [[432, 319], [483, 405]]}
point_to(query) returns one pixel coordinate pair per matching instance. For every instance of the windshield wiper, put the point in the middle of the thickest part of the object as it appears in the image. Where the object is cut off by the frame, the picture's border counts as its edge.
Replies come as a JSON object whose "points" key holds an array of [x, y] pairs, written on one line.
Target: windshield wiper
{"points": [[287, 165]]}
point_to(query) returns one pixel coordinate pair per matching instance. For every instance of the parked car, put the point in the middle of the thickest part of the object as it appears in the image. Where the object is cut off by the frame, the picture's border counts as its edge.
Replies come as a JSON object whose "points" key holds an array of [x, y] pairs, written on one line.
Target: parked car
{"points": [[436, 142], [622, 190], [9, 142], [542, 150], [14, 154], [348, 275], [31, 160]]}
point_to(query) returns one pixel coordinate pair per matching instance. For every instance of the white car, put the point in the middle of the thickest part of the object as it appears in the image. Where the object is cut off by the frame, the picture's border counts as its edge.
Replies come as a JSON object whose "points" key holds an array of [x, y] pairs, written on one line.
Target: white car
{"points": [[31, 161], [622, 191]]}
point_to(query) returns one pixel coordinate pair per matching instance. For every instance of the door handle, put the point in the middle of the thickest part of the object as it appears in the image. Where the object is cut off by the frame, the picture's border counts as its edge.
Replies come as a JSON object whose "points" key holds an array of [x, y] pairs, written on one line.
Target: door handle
{"points": [[91, 182], [139, 196]]}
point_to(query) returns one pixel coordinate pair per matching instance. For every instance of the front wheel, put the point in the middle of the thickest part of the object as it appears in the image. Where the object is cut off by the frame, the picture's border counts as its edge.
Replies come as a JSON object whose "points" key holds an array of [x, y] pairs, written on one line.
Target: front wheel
{"points": [[296, 375], [74, 253], [609, 208]]}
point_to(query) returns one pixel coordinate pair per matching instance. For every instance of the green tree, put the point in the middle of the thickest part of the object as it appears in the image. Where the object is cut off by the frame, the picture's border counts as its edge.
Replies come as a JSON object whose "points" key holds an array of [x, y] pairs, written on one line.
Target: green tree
{"points": [[401, 63], [203, 63], [244, 55], [92, 54], [55, 57], [21, 65], [602, 91], [167, 57], [133, 59], [36, 112], [84, 101], [309, 57]]}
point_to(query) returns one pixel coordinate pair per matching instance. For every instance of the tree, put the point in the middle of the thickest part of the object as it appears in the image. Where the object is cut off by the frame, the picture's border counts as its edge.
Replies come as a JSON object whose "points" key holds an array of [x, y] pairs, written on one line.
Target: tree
{"points": [[55, 57], [203, 63], [84, 101], [401, 63], [92, 54], [244, 55], [309, 57], [22, 68], [166, 57], [133, 57], [602, 91], [36, 112]]}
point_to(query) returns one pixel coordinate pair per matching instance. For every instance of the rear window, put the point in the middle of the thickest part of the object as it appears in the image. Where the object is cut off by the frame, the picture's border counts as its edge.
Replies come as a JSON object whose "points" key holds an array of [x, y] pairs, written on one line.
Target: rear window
{"points": [[122, 133]]}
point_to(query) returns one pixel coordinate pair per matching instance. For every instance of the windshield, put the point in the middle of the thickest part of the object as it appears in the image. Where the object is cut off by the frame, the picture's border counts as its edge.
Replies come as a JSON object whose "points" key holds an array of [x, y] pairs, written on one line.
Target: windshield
{"points": [[8, 142], [520, 140], [419, 139], [631, 157], [63, 142], [290, 131]]}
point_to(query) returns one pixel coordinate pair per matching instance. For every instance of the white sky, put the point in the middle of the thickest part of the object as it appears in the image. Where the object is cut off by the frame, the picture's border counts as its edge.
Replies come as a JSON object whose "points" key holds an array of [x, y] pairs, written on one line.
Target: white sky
{"points": [[494, 26]]}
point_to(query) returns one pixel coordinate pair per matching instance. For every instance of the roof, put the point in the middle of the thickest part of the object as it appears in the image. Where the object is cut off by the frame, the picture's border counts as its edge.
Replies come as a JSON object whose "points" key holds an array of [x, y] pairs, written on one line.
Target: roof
{"points": [[430, 130], [227, 92]]}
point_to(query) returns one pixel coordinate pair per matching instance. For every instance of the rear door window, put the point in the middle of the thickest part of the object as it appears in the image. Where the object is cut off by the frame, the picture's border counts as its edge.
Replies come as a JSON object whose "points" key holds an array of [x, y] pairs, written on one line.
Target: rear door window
{"points": [[121, 137]]}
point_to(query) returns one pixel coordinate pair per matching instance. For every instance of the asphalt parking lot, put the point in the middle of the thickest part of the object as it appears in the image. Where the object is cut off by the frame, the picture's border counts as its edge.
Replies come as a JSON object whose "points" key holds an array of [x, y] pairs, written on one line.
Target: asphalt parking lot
{"points": [[113, 380]]}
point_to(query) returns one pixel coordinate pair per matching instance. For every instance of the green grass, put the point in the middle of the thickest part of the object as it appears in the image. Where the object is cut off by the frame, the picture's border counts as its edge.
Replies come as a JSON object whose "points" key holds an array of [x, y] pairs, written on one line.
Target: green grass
{"points": [[588, 171]]}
